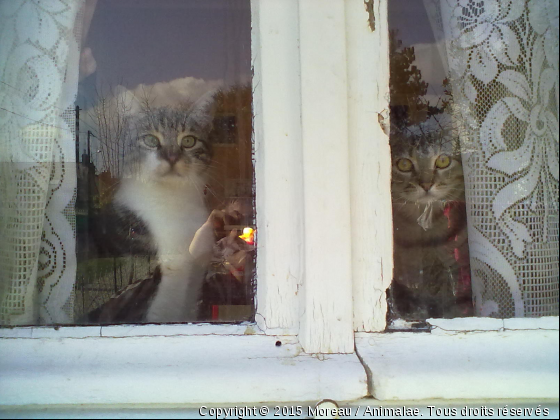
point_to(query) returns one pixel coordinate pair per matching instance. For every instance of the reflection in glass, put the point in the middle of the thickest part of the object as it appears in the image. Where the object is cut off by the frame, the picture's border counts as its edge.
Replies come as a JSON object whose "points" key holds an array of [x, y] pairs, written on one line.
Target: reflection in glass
{"points": [[431, 257], [495, 71], [126, 187], [166, 182]]}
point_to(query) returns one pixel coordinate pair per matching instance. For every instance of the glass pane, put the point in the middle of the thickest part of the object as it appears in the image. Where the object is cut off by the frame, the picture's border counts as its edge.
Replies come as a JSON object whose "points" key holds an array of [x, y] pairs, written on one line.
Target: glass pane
{"points": [[474, 138], [161, 225], [431, 254]]}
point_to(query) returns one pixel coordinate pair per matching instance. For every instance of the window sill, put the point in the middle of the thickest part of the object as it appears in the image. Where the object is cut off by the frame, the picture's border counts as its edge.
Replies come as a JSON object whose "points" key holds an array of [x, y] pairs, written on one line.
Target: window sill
{"points": [[221, 364], [464, 359], [131, 365]]}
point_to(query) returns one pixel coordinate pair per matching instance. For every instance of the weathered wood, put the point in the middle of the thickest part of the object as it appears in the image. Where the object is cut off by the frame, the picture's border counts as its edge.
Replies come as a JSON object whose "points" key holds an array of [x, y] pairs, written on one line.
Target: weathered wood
{"points": [[461, 365], [326, 325], [278, 164], [370, 164], [172, 370]]}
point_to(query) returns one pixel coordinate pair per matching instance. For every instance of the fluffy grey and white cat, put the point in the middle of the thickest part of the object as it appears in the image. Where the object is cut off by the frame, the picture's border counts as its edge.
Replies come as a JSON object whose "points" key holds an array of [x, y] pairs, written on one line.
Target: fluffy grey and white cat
{"points": [[431, 277], [161, 197]]}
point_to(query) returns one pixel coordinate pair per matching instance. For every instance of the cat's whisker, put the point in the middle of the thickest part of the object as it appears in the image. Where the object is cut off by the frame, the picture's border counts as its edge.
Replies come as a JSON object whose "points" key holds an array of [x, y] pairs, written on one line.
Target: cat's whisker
{"points": [[197, 188], [215, 180]]}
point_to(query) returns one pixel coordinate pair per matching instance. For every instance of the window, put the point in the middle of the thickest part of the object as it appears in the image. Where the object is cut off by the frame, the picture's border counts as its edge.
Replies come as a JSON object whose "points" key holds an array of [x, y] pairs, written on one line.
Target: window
{"points": [[437, 361], [324, 260], [162, 128], [431, 256], [461, 127]]}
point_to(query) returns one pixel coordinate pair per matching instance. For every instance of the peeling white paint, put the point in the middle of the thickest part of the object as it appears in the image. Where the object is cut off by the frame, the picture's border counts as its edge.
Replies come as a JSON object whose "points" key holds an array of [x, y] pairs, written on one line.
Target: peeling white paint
{"points": [[324, 249], [278, 164], [462, 365], [326, 324], [172, 370], [370, 168]]}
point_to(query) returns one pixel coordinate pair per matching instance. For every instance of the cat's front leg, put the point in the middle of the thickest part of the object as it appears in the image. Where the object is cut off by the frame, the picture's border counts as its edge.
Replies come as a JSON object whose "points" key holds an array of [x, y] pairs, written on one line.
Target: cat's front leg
{"points": [[176, 299]]}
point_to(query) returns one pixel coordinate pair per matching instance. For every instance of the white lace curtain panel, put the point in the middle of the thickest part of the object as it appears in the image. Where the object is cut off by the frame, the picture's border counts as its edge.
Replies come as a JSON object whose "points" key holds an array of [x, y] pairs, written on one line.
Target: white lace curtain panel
{"points": [[502, 58], [39, 57], [503, 63]]}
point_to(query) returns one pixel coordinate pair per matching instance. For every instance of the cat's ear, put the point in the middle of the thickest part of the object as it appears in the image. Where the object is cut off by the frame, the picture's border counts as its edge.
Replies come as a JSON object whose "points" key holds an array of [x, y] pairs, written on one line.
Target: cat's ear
{"points": [[203, 111]]}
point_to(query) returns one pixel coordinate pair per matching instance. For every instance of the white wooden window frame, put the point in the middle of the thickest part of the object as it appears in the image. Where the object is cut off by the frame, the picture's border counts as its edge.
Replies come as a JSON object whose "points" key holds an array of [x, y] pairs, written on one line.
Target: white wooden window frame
{"points": [[324, 261]]}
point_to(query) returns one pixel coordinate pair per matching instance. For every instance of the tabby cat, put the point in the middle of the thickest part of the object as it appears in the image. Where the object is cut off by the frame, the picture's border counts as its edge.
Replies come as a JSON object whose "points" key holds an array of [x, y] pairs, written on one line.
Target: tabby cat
{"points": [[431, 275], [160, 203]]}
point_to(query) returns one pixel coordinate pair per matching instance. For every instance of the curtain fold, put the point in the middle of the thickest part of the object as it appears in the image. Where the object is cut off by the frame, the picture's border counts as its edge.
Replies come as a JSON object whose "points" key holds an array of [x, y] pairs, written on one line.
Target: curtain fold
{"points": [[502, 58], [39, 58]]}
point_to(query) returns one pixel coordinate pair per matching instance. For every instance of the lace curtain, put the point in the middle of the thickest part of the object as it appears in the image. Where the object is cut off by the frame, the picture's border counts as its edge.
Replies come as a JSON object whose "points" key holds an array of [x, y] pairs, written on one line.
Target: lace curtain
{"points": [[502, 58], [39, 57]]}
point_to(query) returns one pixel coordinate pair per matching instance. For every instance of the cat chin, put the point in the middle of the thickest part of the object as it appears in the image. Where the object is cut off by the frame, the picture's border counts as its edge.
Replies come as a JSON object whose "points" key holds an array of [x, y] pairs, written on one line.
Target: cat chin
{"points": [[419, 199], [173, 181], [414, 209], [433, 196], [171, 175], [428, 200]]}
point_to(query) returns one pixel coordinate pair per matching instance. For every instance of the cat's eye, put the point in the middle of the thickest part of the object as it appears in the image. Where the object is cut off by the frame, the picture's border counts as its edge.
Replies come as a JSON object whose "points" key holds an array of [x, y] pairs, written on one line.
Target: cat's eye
{"points": [[443, 161], [404, 165], [188, 141], [151, 141]]}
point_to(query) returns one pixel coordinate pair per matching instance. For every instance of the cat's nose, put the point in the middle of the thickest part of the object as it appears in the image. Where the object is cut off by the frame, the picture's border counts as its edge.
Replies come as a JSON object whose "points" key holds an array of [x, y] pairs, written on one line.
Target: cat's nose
{"points": [[426, 185], [172, 158]]}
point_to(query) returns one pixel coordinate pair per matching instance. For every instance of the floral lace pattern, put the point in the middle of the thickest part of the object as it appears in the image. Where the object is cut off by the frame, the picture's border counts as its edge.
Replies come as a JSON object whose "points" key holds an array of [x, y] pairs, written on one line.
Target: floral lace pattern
{"points": [[503, 63], [39, 54]]}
